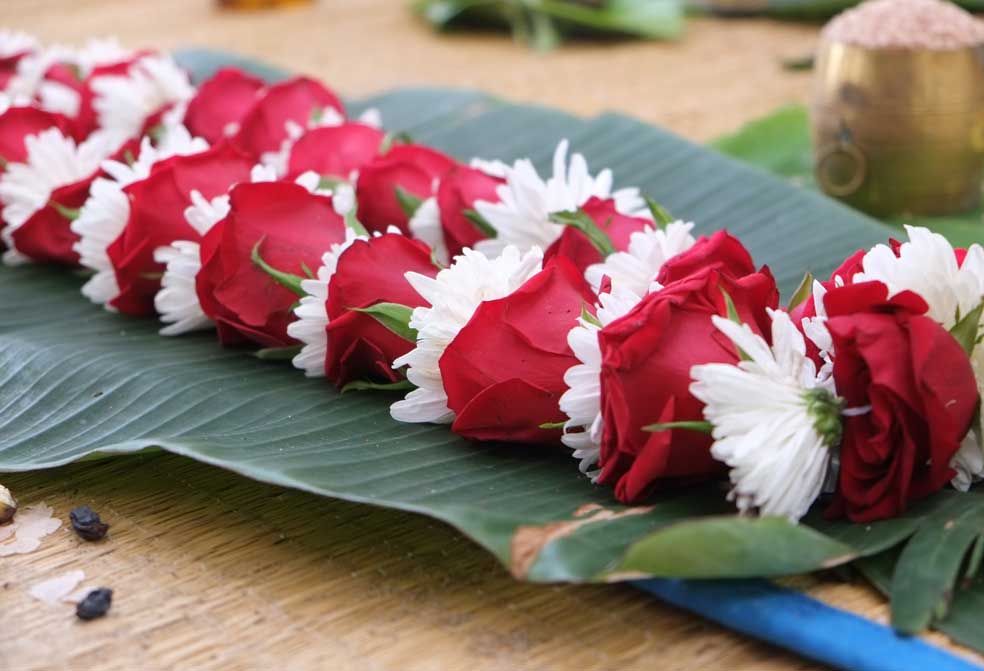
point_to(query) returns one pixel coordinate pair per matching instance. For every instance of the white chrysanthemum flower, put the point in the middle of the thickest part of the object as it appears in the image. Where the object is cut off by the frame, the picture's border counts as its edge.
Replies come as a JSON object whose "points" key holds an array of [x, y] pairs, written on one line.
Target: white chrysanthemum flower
{"points": [[522, 217], [926, 264], [492, 168], [312, 315], [775, 421], [177, 299], [30, 82], [123, 103], [425, 225], [53, 161], [329, 116], [104, 215], [636, 268], [453, 296], [14, 42], [582, 400]]}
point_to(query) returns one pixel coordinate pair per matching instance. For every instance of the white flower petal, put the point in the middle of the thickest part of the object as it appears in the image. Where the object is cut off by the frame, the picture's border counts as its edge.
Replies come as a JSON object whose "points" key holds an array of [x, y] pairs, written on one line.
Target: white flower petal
{"points": [[453, 295]]}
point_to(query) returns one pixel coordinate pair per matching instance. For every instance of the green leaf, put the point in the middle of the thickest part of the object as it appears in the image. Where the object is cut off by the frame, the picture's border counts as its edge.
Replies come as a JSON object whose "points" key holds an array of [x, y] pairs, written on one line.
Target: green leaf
{"points": [[799, 63], [366, 385], [351, 220], [393, 316], [542, 23], [699, 427], [409, 202], [660, 214], [286, 280], [966, 330], [803, 291], [732, 547], [69, 213], [927, 570], [588, 317], [481, 223], [553, 425], [277, 353], [780, 143], [584, 223], [392, 138]]}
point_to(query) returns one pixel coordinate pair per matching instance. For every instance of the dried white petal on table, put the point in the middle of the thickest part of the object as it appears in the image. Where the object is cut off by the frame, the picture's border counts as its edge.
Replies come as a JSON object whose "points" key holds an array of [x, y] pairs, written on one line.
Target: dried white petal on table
{"points": [[59, 588], [8, 505], [24, 534]]}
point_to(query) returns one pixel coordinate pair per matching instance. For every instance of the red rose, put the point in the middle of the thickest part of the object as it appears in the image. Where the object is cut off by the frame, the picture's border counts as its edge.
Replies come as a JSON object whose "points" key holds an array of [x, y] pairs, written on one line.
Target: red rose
{"points": [[845, 271], [264, 127], [369, 272], [85, 120], [645, 377], [46, 236], [8, 65], [295, 227], [458, 192], [335, 151], [920, 388], [413, 168], [504, 371], [575, 245], [157, 206], [721, 250], [221, 102], [17, 123]]}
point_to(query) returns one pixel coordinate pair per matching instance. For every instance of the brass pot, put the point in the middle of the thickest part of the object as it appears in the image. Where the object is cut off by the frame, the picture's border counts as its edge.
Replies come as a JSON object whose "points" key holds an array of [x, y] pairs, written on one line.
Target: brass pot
{"points": [[900, 131]]}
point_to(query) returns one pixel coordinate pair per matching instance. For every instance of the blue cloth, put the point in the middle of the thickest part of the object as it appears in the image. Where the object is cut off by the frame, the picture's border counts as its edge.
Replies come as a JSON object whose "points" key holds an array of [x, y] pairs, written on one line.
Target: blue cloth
{"points": [[797, 622]]}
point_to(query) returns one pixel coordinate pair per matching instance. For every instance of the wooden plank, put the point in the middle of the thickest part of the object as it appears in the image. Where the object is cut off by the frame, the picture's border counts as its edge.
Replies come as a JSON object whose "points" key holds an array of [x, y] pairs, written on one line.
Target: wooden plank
{"points": [[212, 571]]}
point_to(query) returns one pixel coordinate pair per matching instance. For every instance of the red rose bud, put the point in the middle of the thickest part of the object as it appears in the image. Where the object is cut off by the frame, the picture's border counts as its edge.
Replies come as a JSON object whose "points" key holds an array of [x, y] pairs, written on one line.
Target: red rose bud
{"points": [[290, 229], [335, 151], [845, 271], [913, 391], [46, 236], [157, 206], [504, 371], [221, 102], [456, 196], [8, 63], [721, 251], [645, 377], [86, 119], [264, 127], [410, 172], [575, 245], [359, 347], [16, 123]]}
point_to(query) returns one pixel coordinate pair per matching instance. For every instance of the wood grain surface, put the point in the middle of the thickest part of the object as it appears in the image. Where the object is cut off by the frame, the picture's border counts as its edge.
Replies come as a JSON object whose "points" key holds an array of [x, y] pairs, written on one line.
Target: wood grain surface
{"points": [[212, 571]]}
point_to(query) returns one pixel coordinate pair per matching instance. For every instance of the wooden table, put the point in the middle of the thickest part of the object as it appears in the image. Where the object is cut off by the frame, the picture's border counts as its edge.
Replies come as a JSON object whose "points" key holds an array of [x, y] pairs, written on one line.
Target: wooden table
{"points": [[212, 571]]}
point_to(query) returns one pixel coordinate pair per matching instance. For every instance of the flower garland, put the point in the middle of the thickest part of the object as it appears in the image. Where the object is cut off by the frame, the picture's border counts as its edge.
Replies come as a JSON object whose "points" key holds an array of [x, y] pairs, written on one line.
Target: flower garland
{"points": [[550, 310]]}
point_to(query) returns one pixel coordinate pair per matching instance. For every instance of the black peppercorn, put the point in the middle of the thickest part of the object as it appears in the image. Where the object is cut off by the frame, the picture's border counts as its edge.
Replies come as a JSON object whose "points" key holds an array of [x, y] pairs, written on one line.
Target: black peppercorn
{"points": [[87, 524], [95, 604]]}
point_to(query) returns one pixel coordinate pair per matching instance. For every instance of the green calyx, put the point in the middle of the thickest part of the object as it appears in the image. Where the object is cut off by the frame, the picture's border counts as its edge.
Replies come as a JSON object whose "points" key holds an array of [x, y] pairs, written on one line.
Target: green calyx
{"points": [[481, 223], [580, 220], [825, 409], [393, 316], [661, 216], [409, 202], [69, 213], [286, 280]]}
